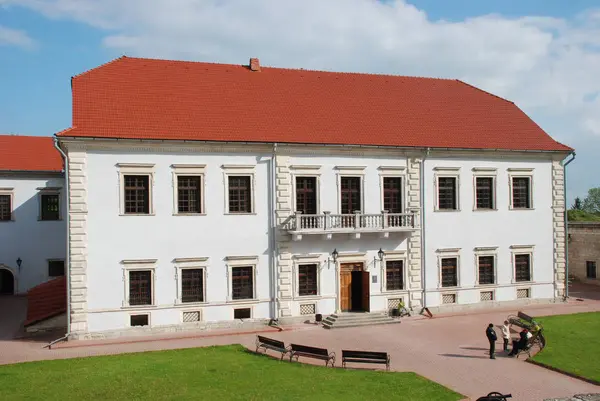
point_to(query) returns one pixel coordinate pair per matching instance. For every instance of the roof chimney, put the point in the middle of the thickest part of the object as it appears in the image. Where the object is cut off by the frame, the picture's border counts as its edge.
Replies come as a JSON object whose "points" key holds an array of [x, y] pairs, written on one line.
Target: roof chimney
{"points": [[254, 64]]}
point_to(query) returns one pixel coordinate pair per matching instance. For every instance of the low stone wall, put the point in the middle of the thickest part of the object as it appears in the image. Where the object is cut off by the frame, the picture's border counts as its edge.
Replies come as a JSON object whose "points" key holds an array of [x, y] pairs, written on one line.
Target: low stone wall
{"points": [[584, 246]]}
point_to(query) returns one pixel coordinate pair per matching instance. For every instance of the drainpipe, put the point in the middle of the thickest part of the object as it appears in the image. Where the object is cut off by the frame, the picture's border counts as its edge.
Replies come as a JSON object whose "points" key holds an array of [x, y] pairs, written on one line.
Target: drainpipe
{"points": [[423, 250], [67, 258], [273, 214], [565, 164]]}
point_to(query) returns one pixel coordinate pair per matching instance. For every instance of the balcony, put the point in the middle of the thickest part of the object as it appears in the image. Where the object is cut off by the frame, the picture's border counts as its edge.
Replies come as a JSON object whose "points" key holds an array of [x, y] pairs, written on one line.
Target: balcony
{"points": [[356, 223]]}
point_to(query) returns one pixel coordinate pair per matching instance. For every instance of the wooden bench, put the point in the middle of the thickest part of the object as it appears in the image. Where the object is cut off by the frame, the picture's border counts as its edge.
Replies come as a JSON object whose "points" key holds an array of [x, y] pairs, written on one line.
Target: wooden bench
{"points": [[312, 352], [268, 343], [366, 357]]}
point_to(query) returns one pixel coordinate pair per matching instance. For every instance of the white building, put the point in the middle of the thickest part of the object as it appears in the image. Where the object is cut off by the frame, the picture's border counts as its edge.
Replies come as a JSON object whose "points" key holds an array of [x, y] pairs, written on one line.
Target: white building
{"points": [[206, 194], [32, 216]]}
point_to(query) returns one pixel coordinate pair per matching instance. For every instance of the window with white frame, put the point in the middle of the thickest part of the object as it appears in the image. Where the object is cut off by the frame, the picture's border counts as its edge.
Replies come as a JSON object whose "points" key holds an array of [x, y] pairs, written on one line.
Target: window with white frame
{"points": [[449, 267], [447, 188], [308, 279], [392, 188], [49, 199], [6, 204], [136, 182], [191, 279], [242, 277], [139, 282], [239, 189], [188, 184], [485, 188], [522, 263], [521, 188], [350, 189], [306, 188], [394, 275], [486, 269]]}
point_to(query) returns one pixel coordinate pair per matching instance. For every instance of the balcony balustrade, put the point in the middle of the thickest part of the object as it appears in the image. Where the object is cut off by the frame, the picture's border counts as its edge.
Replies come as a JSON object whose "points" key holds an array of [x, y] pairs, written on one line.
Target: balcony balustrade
{"points": [[357, 222]]}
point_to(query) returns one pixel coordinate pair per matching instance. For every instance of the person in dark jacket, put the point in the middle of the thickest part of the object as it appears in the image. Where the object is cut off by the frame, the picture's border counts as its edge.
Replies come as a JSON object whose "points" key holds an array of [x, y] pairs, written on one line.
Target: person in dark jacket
{"points": [[491, 336], [520, 344]]}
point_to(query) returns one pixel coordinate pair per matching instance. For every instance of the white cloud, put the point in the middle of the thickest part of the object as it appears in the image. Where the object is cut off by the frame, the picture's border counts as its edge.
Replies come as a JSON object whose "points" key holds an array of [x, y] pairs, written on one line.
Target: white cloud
{"points": [[548, 66], [14, 37]]}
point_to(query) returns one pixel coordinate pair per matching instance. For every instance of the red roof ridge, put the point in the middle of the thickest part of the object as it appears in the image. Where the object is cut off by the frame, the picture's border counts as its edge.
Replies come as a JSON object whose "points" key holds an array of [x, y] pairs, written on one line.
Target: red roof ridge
{"points": [[308, 70]]}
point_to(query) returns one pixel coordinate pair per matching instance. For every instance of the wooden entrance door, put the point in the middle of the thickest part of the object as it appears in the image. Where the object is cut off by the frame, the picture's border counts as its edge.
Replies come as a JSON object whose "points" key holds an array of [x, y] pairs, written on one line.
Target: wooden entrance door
{"points": [[346, 270]]}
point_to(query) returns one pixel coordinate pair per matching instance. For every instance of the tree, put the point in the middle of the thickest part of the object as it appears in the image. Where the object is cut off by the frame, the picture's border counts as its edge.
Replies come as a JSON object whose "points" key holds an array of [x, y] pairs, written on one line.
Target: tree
{"points": [[577, 205], [591, 203]]}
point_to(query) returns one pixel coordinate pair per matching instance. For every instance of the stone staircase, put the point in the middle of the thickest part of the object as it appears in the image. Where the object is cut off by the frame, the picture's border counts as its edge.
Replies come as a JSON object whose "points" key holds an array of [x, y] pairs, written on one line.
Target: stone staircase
{"points": [[340, 320]]}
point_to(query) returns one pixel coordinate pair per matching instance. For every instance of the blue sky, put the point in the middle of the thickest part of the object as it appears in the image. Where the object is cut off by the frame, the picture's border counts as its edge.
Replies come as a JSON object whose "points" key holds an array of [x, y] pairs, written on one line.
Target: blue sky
{"points": [[544, 55]]}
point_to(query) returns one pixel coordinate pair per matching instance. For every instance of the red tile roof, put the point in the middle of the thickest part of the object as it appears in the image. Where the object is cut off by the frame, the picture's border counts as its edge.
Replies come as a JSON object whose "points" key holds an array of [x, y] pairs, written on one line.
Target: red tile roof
{"points": [[29, 153], [175, 100], [46, 300]]}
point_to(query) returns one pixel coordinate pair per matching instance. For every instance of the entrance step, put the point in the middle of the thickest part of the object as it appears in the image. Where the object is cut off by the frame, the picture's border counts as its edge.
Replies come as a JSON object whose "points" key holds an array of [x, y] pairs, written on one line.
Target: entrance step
{"points": [[340, 320]]}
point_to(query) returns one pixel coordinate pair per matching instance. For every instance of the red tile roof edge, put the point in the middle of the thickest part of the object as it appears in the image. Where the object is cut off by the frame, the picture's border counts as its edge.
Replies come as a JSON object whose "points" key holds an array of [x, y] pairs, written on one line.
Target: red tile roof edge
{"points": [[28, 153]]}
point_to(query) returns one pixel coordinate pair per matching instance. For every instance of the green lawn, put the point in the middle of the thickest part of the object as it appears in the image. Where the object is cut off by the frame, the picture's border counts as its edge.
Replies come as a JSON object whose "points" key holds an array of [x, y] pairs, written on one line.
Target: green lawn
{"points": [[572, 344], [214, 373]]}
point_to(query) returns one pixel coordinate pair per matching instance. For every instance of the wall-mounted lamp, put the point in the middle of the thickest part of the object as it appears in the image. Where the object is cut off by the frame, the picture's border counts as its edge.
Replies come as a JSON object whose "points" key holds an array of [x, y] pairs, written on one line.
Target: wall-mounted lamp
{"points": [[334, 255], [19, 261], [381, 254]]}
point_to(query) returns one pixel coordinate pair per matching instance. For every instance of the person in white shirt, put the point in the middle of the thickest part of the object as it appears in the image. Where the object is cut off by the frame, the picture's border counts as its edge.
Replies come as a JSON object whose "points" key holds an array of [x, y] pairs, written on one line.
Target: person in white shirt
{"points": [[506, 334]]}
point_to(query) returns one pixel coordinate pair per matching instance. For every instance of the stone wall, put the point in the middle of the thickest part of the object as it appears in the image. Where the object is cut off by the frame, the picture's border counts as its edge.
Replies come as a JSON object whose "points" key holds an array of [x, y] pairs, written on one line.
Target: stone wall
{"points": [[584, 245]]}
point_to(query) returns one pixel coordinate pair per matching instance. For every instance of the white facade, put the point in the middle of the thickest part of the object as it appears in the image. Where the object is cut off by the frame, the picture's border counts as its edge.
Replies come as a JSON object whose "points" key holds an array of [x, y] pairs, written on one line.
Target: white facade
{"points": [[502, 232], [27, 236], [275, 242]]}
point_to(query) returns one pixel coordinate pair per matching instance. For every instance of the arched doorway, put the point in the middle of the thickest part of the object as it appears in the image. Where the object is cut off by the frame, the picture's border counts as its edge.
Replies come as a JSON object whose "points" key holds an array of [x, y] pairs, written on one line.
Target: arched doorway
{"points": [[7, 282]]}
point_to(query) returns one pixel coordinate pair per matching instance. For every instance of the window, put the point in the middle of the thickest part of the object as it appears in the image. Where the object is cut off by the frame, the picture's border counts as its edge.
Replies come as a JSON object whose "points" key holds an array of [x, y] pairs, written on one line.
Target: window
{"points": [[350, 195], [522, 267], [243, 313], [590, 268], [189, 194], [394, 275], [140, 287], [5, 207], [50, 207], [484, 193], [486, 269], [449, 272], [135, 183], [307, 280], [447, 193], [192, 285], [306, 195], [242, 282], [56, 268], [136, 194], [392, 194], [138, 320], [521, 192], [240, 194]]}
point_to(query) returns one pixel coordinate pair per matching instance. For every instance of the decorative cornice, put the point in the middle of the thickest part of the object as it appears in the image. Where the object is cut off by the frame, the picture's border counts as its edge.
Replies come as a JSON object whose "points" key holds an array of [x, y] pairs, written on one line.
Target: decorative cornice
{"points": [[138, 261], [448, 250], [190, 260]]}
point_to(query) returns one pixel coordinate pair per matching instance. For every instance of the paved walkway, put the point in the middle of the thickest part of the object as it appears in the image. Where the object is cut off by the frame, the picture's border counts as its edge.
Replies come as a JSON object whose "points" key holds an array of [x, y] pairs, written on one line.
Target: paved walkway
{"points": [[448, 349]]}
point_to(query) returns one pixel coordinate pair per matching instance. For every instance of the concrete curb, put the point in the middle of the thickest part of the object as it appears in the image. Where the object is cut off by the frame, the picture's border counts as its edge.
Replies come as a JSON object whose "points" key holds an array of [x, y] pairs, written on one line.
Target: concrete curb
{"points": [[573, 375]]}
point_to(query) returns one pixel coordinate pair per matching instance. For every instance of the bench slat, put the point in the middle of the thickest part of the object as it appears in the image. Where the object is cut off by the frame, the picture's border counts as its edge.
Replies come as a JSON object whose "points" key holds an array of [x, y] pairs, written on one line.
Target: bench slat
{"points": [[304, 349], [364, 354], [271, 342]]}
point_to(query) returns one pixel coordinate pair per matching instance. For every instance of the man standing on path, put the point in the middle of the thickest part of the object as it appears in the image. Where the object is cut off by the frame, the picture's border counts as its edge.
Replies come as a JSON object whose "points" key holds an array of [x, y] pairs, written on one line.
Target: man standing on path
{"points": [[506, 334], [491, 335]]}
